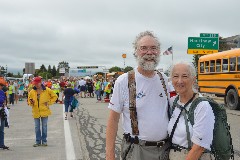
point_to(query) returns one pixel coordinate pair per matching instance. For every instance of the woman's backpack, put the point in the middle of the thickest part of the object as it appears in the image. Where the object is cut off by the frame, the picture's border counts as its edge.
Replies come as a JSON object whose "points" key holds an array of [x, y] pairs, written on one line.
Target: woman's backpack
{"points": [[221, 147], [74, 103]]}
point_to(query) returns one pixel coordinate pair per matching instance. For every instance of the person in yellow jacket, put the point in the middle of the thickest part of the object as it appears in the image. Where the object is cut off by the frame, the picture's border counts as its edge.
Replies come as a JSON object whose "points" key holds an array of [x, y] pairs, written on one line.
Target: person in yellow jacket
{"points": [[56, 88], [40, 98], [107, 90]]}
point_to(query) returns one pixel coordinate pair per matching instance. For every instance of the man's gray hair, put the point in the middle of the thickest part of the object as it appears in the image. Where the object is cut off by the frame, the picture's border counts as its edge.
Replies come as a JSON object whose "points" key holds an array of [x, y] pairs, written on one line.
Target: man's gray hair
{"points": [[141, 35]]}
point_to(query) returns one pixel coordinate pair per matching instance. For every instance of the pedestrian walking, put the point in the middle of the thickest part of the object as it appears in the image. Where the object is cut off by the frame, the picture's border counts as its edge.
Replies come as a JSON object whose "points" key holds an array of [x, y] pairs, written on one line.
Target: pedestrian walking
{"points": [[40, 98], [68, 97], [15, 84], [82, 87], [11, 93], [140, 96], [98, 88], [20, 90], [3, 115]]}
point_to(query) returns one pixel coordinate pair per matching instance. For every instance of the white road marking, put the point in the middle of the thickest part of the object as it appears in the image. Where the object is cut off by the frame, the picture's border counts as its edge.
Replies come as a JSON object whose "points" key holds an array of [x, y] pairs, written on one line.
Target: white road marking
{"points": [[70, 154]]}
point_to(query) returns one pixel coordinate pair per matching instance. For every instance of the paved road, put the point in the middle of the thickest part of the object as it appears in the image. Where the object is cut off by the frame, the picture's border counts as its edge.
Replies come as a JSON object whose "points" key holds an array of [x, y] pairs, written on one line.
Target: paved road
{"points": [[82, 137], [20, 137], [92, 118]]}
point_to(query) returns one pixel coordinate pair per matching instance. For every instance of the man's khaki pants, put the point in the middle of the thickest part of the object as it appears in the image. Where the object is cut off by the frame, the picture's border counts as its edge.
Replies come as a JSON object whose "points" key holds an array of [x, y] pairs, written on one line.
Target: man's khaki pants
{"points": [[181, 155], [142, 152]]}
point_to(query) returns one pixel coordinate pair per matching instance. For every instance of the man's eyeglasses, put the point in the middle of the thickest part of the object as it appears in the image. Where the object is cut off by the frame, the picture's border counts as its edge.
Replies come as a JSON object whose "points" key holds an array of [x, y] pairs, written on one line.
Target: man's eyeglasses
{"points": [[145, 49]]}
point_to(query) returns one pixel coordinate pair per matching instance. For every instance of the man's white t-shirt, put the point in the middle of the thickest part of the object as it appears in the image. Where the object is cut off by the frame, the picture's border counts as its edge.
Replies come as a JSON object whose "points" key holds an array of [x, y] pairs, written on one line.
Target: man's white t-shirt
{"points": [[82, 82], [201, 133], [151, 104]]}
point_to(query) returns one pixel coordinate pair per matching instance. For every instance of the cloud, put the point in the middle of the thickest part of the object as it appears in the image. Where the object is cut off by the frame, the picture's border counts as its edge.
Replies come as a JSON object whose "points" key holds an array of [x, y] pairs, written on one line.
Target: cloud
{"points": [[99, 32]]}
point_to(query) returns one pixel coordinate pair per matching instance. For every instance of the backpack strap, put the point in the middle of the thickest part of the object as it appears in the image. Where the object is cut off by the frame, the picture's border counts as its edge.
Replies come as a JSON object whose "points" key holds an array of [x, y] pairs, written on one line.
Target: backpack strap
{"points": [[193, 107], [165, 90], [181, 108], [132, 102], [187, 128], [132, 99]]}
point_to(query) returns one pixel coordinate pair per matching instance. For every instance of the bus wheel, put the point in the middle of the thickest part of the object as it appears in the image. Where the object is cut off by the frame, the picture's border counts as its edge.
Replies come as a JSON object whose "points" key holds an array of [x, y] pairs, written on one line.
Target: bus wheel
{"points": [[232, 99]]}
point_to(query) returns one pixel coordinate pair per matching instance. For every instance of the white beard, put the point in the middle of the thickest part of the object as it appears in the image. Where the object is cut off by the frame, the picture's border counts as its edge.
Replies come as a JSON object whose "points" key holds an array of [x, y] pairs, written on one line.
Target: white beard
{"points": [[146, 65]]}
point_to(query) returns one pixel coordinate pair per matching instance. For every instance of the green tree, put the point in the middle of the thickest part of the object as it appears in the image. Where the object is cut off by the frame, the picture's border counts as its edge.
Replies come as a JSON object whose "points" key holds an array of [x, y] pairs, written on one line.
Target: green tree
{"points": [[9, 74], [65, 65], [54, 71], [45, 75], [195, 62], [49, 69], [18, 75], [43, 68], [128, 68], [115, 69]]}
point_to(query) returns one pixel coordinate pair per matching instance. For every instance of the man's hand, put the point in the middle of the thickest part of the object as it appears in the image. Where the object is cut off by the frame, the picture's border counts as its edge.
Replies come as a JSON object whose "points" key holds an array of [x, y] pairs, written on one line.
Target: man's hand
{"points": [[31, 101]]}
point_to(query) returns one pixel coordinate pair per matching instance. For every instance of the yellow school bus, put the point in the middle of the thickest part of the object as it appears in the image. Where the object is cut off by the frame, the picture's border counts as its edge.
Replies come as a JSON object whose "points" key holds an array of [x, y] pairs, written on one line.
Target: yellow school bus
{"points": [[219, 74]]}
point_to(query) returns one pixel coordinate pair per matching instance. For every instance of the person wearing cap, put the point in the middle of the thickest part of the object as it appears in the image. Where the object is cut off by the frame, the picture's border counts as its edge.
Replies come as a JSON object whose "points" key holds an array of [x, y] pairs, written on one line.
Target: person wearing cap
{"points": [[40, 98], [3, 112]]}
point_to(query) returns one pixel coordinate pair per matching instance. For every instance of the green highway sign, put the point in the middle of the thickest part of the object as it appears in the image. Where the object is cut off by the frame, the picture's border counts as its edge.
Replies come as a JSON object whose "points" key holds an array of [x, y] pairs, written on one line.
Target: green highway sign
{"points": [[203, 43], [87, 67], [209, 35]]}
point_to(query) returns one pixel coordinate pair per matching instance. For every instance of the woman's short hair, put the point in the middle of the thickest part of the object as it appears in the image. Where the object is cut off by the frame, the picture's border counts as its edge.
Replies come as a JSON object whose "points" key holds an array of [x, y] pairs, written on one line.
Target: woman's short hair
{"points": [[189, 65]]}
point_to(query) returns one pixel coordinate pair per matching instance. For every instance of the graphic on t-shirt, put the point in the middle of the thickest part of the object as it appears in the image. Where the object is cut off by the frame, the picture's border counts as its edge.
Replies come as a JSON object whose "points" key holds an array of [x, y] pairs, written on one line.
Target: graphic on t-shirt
{"points": [[140, 95]]}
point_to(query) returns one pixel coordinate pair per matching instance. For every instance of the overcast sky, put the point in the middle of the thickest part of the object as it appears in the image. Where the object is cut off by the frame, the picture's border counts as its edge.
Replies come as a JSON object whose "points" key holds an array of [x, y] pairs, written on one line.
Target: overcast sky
{"points": [[98, 32]]}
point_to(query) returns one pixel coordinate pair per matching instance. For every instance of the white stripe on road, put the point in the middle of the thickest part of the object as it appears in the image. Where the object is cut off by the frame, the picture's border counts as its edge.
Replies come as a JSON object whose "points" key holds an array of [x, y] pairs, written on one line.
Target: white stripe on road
{"points": [[70, 154]]}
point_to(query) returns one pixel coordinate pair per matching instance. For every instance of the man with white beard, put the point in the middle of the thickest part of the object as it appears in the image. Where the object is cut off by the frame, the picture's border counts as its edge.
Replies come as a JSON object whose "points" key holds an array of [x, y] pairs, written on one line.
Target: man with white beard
{"points": [[145, 121]]}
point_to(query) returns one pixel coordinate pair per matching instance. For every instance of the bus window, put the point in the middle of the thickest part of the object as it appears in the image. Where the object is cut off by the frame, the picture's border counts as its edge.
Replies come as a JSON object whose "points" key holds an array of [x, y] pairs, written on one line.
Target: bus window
{"points": [[232, 64], [207, 66], [225, 65], [212, 66], [218, 65], [238, 63], [201, 67]]}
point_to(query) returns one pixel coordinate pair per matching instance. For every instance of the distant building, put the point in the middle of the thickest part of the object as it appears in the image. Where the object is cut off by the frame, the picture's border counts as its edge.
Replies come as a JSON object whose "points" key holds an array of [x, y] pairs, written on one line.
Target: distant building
{"points": [[232, 42]]}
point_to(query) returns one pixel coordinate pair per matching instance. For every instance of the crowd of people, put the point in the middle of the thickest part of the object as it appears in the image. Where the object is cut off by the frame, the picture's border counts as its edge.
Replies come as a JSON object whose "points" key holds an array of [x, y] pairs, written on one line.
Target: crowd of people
{"points": [[40, 94]]}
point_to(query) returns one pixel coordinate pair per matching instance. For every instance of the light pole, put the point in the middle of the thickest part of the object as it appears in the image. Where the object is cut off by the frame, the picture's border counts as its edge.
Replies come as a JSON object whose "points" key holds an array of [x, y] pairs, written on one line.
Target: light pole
{"points": [[124, 56], [6, 71], [238, 45]]}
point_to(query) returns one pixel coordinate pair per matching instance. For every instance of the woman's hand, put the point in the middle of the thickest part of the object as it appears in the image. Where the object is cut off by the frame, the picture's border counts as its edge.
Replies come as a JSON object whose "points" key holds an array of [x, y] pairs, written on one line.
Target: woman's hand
{"points": [[195, 153]]}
